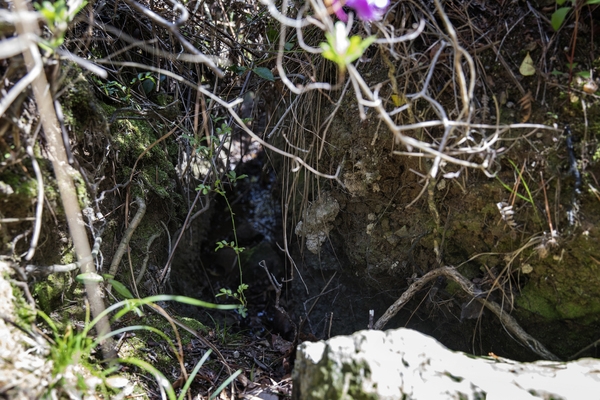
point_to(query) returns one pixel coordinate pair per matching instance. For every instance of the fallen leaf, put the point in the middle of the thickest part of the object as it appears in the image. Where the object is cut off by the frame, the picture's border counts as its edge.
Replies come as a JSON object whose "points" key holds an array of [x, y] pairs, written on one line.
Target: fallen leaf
{"points": [[527, 68], [526, 103]]}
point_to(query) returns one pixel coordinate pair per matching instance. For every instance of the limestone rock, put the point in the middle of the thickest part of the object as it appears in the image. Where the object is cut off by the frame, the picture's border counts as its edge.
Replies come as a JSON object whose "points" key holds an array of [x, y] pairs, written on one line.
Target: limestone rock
{"points": [[317, 221], [406, 364]]}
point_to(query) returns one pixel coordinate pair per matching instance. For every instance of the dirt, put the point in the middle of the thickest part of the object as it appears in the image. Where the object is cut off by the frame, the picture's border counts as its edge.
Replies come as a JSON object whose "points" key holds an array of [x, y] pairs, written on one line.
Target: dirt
{"points": [[386, 233]]}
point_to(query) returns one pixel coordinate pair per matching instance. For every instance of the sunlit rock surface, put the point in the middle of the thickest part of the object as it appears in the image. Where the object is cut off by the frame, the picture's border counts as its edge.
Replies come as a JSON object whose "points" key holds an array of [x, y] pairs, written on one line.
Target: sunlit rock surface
{"points": [[405, 364]]}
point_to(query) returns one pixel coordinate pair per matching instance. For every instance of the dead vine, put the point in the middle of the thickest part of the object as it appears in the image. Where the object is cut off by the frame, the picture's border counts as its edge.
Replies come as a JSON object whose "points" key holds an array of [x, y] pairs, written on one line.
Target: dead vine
{"points": [[451, 273]]}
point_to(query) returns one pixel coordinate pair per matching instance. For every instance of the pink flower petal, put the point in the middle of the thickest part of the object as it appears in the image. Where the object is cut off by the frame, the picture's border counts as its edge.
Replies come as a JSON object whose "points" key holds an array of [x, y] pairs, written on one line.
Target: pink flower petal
{"points": [[368, 10]]}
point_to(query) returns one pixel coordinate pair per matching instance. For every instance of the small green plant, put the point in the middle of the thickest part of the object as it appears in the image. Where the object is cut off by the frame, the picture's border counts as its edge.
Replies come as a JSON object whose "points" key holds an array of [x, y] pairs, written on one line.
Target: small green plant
{"points": [[223, 243], [557, 21], [58, 16], [219, 188], [146, 81], [238, 295], [528, 199], [70, 350], [559, 16], [116, 90], [342, 50], [224, 129], [67, 348], [199, 145], [264, 73]]}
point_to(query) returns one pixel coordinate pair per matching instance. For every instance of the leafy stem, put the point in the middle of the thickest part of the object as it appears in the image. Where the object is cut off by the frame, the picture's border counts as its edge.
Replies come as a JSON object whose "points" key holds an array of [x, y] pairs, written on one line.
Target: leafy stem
{"points": [[219, 188]]}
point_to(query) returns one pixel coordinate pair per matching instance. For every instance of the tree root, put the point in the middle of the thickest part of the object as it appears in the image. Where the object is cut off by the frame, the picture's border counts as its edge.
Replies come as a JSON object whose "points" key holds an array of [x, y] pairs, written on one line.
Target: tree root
{"points": [[450, 272]]}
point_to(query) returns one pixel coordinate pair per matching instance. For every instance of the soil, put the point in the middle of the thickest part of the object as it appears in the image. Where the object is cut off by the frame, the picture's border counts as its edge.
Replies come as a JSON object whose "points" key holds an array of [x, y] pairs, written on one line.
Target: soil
{"points": [[385, 234]]}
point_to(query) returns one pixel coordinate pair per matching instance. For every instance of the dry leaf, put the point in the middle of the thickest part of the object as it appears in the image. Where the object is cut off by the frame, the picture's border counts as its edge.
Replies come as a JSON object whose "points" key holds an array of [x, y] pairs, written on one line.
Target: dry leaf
{"points": [[590, 86], [526, 104], [527, 68]]}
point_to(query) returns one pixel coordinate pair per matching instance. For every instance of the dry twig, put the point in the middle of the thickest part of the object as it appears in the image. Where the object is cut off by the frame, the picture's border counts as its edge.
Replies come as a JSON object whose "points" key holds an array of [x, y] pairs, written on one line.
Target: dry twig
{"points": [[450, 272]]}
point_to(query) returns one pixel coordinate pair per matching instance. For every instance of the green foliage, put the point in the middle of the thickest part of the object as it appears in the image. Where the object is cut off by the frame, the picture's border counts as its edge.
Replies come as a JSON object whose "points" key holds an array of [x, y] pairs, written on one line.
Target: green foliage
{"points": [[524, 182], [264, 73], [224, 129], [238, 295], [224, 384], [58, 16], [118, 286], [70, 348], [190, 379], [507, 187], [233, 177], [342, 50], [223, 243], [219, 188], [114, 89], [559, 16], [205, 189], [146, 80], [89, 277]]}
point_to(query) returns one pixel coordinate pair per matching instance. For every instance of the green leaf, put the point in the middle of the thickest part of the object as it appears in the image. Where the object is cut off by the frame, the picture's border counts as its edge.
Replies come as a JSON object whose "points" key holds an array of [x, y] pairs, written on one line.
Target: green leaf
{"points": [[237, 69], [289, 45], [89, 277], [148, 85], [160, 378], [342, 50], [590, 2], [357, 47], [584, 74], [328, 52], [224, 384], [264, 73], [272, 34], [121, 289], [558, 17], [190, 379]]}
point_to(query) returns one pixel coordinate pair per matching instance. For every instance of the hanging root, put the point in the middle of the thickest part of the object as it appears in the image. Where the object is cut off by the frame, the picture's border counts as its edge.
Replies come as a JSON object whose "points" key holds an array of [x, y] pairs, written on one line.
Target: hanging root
{"points": [[450, 272]]}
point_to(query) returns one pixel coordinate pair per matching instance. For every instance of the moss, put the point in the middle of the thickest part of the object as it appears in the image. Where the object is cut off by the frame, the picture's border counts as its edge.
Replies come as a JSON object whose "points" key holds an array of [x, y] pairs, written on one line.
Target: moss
{"points": [[25, 313], [534, 300], [81, 108], [566, 285], [133, 137], [49, 292], [23, 187], [81, 190]]}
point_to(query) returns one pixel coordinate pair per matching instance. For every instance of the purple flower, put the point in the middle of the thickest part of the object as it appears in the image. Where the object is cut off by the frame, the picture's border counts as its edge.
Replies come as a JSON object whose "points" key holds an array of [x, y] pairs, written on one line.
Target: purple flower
{"points": [[366, 10]]}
